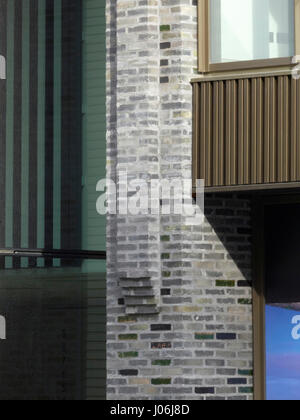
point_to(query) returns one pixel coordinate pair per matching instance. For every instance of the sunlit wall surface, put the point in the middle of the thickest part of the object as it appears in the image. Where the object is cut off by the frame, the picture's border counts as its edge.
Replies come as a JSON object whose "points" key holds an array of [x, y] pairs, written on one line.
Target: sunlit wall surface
{"points": [[52, 153], [251, 29]]}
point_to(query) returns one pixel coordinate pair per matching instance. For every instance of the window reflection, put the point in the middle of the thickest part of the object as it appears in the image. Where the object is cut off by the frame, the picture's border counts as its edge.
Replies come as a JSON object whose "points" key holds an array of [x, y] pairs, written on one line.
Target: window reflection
{"points": [[251, 30], [52, 124], [55, 346]]}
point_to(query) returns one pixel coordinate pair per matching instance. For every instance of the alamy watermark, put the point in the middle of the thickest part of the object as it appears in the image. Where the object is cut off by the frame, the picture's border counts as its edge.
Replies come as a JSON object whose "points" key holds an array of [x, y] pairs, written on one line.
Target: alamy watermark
{"points": [[296, 69], [296, 329], [2, 328], [151, 197], [2, 67]]}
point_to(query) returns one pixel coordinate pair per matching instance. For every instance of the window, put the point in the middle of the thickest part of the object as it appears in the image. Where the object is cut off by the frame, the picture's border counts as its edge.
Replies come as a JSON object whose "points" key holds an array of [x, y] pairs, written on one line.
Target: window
{"points": [[277, 298], [236, 34]]}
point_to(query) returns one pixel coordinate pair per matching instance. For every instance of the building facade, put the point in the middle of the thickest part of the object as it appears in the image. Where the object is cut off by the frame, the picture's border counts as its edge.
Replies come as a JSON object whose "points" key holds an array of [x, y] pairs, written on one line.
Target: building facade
{"points": [[149, 305], [186, 302]]}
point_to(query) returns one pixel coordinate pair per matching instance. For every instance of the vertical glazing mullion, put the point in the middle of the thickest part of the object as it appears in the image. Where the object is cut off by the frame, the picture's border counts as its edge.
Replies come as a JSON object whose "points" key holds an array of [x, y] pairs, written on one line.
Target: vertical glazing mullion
{"points": [[71, 129], [3, 51], [17, 129], [33, 107], [57, 127], [25, 128], [49, 98], [41, 128], [9, 130]]}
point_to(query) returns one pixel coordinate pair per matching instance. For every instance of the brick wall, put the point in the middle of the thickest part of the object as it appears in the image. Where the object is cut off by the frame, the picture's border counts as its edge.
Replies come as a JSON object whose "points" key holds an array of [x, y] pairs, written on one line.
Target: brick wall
{"points": [[199, 345]]}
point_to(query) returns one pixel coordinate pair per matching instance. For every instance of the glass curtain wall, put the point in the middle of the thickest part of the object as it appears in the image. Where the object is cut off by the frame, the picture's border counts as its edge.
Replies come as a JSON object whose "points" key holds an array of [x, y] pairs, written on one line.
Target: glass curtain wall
{"points": [[52, 241]]}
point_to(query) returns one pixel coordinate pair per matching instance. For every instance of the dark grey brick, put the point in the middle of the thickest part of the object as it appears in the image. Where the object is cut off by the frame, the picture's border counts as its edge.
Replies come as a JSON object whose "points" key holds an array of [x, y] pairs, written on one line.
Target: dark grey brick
{"points": [[164, 80], [165, 292], [205, 391], [129, 372], [165, 45], [161, 327], [226, 336], [237, 381]]}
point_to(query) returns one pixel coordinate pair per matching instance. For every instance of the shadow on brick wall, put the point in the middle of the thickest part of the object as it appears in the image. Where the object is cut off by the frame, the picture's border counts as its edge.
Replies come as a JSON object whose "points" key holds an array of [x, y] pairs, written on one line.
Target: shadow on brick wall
{"points": [[230, 216]]}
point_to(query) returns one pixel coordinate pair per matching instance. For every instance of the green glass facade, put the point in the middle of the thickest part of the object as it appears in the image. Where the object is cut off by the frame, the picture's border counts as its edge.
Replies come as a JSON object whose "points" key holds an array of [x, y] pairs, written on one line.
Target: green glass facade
{"points": [[52, 154]]}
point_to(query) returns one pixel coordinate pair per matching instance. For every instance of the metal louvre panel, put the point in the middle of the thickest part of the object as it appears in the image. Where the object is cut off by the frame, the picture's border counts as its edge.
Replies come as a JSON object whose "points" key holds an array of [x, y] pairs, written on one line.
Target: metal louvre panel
{"points": [[246, 131]]}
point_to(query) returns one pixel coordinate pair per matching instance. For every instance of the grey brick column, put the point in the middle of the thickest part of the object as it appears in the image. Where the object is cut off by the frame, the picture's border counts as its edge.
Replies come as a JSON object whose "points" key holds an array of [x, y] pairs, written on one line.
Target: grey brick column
{"points": [[199, 345], [138, 238], [133, 147]]}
